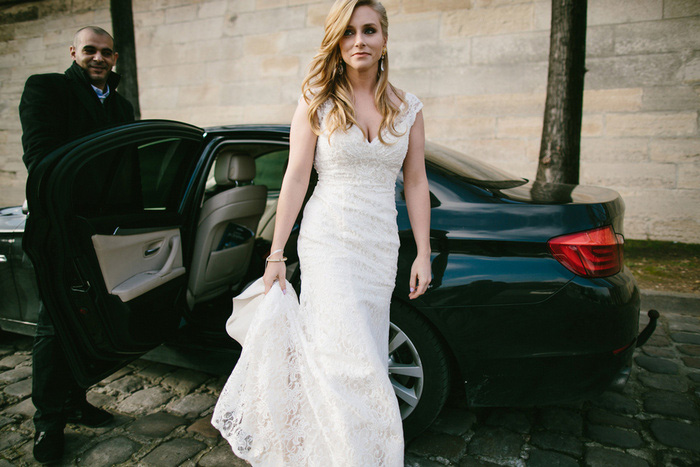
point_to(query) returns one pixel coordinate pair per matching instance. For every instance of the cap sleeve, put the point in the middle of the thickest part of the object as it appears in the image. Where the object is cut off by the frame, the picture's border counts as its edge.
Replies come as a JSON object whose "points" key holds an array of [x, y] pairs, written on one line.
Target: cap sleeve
{"points": [[322, 109], [413, 106]]}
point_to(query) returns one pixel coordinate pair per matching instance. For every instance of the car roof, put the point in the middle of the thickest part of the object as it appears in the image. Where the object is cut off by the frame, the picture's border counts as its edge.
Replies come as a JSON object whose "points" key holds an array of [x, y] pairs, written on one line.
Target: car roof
{"points": [[267, 128]]}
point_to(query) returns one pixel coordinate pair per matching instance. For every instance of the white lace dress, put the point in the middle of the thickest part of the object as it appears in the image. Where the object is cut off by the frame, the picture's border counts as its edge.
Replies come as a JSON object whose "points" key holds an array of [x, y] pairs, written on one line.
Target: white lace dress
{"points": [[311, 386]]}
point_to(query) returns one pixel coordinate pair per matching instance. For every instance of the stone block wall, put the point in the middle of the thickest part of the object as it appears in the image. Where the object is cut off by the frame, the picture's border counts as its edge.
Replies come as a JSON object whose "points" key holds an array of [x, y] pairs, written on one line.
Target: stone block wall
{"points": [[480, 67]]}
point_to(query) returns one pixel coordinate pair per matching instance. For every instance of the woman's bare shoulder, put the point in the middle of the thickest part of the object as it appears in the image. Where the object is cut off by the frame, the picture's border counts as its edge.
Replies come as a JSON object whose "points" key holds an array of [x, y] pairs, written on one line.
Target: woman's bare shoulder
{"points": [[305, 100], [309, 98]]}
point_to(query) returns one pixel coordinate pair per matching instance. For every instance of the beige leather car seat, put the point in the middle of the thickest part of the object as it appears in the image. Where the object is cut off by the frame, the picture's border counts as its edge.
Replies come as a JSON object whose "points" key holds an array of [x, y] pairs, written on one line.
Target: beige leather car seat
{"points": [[266, 226], [226, 229]]}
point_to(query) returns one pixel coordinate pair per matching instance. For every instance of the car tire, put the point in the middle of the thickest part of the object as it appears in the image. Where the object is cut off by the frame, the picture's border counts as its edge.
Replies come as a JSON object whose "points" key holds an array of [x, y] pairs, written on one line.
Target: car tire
{"points": [[418, 369]]}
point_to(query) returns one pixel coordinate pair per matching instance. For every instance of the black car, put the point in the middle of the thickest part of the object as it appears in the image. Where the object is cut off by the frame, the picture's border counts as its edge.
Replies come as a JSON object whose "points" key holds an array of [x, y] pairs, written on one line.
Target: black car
{"points": [[141, 235]]}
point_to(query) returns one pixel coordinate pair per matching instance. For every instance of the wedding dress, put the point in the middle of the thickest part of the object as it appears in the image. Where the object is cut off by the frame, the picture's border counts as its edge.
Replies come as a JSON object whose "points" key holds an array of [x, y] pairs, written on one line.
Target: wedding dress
{"points": [[311, 386]]}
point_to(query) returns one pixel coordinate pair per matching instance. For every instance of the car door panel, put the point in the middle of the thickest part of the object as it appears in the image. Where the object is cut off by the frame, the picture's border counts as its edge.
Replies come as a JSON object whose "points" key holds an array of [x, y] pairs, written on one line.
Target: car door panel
{"points": [[107, 217], [132, 265]]}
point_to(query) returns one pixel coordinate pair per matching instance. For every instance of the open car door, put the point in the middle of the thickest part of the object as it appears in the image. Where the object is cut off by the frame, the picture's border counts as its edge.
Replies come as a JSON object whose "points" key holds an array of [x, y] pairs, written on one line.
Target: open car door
{"points": [[104, 232]]}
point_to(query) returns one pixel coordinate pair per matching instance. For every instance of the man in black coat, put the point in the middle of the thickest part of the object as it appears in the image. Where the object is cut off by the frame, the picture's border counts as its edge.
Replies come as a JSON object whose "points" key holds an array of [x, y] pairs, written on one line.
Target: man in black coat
{"points": [[56, 109]]}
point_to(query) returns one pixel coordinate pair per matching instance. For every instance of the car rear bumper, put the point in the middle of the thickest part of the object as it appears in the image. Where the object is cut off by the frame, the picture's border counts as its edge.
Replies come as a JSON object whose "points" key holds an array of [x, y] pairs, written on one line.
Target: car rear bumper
{"points": [[572, 346], [546, 379]]}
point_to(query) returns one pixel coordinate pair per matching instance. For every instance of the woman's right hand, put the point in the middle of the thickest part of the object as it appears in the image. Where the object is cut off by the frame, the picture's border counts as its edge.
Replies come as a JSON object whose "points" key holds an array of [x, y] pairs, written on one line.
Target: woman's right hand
{"points": [[275, 271]]}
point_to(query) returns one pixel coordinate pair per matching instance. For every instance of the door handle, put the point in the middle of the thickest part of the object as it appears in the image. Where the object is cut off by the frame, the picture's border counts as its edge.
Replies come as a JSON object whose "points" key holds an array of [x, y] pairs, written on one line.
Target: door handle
{"points": [[3, 259], [174, 249], [151, 251]]}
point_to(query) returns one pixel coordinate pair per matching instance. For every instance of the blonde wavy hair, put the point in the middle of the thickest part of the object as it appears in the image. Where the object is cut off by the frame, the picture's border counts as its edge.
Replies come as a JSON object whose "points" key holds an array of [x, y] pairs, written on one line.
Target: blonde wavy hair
{"points": [[325, 80]]}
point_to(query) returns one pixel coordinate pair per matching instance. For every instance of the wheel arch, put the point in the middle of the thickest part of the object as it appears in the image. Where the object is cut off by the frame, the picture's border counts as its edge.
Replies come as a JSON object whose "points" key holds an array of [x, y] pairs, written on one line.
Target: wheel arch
{"points": [[453, 364], [419, 420]]}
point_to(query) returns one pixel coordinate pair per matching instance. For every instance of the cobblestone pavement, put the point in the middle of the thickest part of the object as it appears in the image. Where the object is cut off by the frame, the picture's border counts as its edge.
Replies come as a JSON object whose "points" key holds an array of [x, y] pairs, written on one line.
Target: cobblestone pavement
{"points": [[162, 417]]}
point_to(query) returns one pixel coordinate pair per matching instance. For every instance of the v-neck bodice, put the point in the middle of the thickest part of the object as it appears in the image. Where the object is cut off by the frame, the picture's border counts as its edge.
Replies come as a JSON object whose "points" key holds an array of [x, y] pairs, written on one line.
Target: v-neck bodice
{"points": [[349, 157], [376, 138]]}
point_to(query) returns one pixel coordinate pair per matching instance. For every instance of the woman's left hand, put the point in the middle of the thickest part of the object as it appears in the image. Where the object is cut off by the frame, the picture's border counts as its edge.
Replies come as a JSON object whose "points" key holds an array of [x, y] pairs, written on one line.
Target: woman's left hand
{"points": [[420, 276]]}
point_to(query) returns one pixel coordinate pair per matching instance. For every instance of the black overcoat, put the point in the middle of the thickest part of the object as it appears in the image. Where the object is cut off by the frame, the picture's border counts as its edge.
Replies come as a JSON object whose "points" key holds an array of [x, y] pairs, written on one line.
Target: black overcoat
{"points": [[58, 108]]}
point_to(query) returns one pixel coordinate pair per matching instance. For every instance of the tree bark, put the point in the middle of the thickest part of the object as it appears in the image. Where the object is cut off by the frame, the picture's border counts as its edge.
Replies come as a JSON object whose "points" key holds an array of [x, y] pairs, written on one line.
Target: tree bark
{"points": [[125, 45], [560, 148]]}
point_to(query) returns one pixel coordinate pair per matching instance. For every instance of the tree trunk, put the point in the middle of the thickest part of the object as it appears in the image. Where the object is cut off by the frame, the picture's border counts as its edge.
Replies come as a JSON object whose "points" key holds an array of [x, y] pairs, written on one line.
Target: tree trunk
{"points": [[560, 148], [125, 45]]}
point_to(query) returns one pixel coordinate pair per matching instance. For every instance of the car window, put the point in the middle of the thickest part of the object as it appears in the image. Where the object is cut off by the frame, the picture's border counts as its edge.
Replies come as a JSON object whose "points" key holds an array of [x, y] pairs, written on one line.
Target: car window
{"points": [[270, 164], [475, 171], [269, 169], [148, 176], [163, 167]]}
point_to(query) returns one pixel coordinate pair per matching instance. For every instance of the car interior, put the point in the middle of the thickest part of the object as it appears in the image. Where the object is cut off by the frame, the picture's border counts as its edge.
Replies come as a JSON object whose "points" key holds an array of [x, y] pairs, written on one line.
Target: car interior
{"points": [[143, 183], [234, 229], [227, 226], [237, 208]]}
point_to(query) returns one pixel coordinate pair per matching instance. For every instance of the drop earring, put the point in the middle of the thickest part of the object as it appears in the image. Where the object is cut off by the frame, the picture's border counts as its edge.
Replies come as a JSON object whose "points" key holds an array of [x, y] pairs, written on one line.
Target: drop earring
{"points": [[381, 61]]}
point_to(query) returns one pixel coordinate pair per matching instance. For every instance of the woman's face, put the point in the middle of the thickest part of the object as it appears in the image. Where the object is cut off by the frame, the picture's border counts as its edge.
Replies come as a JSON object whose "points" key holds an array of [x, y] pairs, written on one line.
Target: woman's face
{"points": [[363, 42]]}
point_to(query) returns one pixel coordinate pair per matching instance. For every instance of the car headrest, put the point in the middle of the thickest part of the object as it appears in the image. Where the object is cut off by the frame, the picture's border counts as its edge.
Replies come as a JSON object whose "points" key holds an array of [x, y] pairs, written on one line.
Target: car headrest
{"points": [[233, 167]]}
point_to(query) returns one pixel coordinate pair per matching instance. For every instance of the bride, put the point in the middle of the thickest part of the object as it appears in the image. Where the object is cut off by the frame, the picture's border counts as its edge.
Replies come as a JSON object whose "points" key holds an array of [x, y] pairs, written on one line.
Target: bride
{"points": [[311, 386]]}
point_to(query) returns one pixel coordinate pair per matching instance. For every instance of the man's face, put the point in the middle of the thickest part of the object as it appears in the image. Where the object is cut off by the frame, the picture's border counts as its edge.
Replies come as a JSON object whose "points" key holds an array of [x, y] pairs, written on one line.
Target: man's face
{"points": [[94, 53]]}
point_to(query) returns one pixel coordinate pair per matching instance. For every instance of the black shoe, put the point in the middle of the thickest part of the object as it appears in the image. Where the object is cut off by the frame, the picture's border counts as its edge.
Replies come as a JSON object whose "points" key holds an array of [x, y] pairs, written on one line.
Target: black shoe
{"points": [[48, 446], [89, 415]]}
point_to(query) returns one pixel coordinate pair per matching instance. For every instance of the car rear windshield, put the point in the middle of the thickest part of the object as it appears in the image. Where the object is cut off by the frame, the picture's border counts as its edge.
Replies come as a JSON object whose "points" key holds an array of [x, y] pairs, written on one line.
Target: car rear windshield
{"points": [[470, 169]]}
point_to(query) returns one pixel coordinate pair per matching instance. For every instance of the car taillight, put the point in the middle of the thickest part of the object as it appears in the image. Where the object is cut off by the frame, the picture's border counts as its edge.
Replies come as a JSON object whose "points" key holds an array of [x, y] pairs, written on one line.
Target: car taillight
{"points": [[593, 253]]}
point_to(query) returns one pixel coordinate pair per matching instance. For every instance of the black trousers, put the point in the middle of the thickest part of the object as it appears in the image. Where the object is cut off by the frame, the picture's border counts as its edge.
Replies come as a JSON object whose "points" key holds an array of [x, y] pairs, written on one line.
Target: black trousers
{"points": [[54, 389]]}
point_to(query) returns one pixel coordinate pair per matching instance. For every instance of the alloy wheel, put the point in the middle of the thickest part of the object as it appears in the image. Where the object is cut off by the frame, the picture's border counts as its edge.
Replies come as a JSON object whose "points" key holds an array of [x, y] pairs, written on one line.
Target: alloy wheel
{"points": [[405, 370]]}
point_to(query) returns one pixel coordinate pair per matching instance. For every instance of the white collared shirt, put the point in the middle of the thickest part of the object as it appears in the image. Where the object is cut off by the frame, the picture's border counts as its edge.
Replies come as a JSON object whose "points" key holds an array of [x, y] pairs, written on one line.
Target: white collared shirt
{"points": [[102, 95]]}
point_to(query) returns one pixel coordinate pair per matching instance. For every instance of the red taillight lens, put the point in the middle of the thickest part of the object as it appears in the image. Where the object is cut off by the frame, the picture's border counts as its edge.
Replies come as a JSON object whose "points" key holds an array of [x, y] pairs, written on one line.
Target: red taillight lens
{"points": [[593, 253]]}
